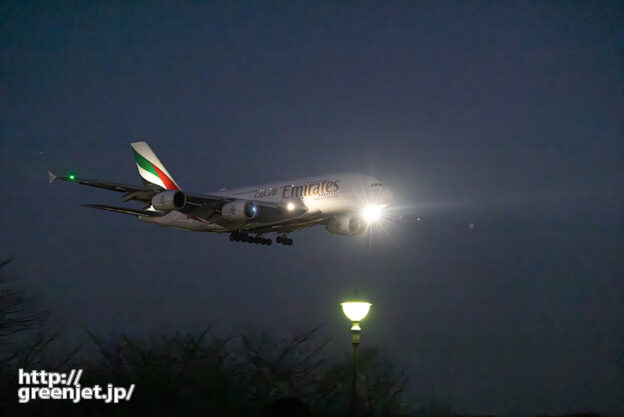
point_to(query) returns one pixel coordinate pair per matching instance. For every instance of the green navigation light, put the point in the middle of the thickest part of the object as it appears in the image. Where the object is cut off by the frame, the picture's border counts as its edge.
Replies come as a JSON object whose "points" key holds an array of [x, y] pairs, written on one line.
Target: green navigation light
{"points": [[72, 177]]}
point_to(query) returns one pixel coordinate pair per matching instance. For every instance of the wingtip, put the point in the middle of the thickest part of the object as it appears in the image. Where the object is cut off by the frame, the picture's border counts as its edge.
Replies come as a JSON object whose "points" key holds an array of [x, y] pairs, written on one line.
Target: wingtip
{"points": [[52, 176]]}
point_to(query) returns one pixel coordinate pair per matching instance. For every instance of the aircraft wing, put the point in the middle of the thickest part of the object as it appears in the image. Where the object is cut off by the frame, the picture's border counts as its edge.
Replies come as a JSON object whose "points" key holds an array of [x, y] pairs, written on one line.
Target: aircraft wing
{"points": [[125, 210], [206, 206], [216, 202], [200, 205], [134, 192], [121, 188]]}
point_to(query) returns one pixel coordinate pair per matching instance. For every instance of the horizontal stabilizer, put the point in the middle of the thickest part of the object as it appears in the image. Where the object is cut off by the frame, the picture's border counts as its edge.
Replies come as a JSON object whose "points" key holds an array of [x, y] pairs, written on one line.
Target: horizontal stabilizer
{"points": [[125, 210]]}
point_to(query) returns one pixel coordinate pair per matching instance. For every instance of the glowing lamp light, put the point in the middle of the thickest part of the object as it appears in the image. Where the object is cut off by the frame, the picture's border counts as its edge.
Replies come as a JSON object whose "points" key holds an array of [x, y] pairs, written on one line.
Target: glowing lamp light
{"points": [[371, 213], [290, 206], [355, 310], [72, 177]]}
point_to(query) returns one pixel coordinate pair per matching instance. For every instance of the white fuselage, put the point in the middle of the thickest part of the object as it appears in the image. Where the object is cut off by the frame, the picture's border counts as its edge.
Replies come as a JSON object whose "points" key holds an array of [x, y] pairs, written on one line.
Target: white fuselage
{"points": [[309, 199]]}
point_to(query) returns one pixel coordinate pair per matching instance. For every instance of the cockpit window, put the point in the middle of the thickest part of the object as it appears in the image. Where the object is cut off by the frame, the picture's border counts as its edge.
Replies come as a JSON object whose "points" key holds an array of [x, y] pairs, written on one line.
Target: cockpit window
{"points": [[376, 184]]}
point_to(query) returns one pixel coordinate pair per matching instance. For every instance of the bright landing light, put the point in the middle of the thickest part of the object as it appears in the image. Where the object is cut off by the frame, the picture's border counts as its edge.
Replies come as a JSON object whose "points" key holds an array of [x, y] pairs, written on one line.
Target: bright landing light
{"points": [[371, 213], [356, 311], [290, 206]]}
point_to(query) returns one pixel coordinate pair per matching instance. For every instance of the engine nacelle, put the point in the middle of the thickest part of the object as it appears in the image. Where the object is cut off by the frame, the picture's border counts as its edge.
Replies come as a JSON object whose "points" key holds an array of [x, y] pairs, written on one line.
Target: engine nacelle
{"points": [[169, 200], [346, 225], [240, 210]]}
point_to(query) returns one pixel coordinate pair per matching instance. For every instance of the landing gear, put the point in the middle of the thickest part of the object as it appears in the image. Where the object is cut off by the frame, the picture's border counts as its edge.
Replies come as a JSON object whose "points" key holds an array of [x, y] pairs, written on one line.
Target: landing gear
{"points": [[284, 240], [258, 239], [244, 237]]}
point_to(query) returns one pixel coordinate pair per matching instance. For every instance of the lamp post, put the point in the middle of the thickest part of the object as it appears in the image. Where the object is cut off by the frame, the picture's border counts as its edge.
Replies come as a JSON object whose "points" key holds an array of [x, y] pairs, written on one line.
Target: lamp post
{"points": [[355, 311]]}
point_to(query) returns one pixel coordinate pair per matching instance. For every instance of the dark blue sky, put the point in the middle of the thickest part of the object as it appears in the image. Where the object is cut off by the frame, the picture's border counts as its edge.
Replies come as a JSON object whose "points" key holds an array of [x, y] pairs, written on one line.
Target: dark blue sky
{"points": [[507, 116]]}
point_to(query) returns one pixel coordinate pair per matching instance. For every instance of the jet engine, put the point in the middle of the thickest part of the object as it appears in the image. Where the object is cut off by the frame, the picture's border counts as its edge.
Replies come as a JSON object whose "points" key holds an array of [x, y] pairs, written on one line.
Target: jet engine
{"points": [[346, 225], [239, 210], [169, 200]]}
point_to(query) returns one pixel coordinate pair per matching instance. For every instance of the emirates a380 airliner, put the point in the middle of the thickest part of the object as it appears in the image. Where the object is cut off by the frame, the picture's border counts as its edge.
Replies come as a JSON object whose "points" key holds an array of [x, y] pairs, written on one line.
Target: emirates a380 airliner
{"points": [[346, 204]]}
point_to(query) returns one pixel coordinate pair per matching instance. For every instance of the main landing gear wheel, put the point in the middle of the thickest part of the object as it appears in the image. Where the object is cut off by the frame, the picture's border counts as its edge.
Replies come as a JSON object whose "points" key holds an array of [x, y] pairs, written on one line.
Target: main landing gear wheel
{"points": [[244, 237], [259, 240], [284, 240]]}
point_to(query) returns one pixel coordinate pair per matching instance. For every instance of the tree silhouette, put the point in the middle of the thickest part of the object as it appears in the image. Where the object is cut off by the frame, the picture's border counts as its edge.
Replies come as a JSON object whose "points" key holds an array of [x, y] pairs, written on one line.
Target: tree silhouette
{"points": [[18, 315], [26, 338], [380, 387], [187, 374], [275, 368]]}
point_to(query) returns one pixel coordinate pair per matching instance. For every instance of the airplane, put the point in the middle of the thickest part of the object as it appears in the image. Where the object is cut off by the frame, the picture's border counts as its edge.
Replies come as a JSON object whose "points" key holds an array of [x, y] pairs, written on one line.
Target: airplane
{"points": [[346, 204]]}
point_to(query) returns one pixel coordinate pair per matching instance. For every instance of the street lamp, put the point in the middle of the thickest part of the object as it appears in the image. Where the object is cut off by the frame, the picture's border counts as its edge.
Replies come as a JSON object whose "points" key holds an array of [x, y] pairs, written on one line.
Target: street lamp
{"points": [[355, 311]]}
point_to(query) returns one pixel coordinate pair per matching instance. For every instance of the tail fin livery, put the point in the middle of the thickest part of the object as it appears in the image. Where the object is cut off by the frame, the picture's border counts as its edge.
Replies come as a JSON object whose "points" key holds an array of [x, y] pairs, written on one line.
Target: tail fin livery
{"points": [[150, 168]]}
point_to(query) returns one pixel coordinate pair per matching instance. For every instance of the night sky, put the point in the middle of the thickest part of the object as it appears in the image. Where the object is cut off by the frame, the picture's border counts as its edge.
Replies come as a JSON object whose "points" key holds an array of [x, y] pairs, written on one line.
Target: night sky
{"points": [[506, 117]]}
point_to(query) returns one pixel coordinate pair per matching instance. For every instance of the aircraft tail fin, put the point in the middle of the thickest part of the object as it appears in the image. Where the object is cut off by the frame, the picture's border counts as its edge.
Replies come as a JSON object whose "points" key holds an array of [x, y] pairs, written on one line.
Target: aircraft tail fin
{"points": [[150, 168]]}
